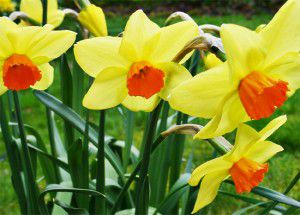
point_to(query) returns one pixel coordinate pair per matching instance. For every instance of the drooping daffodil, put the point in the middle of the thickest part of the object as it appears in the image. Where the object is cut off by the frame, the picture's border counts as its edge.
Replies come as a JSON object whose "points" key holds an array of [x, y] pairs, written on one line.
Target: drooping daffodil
{"points": [[137, 69], [93, 19], [262, 70], [25, 53], [7, 6], [245, 163], [34, 10]]}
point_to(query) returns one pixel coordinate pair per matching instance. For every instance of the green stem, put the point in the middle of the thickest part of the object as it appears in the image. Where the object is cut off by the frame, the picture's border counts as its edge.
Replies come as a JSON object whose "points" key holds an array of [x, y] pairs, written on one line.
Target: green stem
{"points": [[122, 194], [13, 159], [129, 126], [142, 201], [100, 177], [31, 183]]}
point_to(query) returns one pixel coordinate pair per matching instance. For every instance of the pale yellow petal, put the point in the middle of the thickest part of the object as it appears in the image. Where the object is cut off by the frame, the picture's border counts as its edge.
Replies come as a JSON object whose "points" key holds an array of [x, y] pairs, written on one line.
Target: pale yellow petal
{"points": [[174, 75], [263, 151], [282, 34], [138, 103], [6, 47], [108, 90], [230, 115], [209, 189], [215, 165], [3, 89], [202, 95], [272, 127], [96, 54], [245, 138], [139, 29], [24, 38], [244, 50], [172, 39], [211, 61], [54, 44], [286, 69], [47, 72], [34, 9]]}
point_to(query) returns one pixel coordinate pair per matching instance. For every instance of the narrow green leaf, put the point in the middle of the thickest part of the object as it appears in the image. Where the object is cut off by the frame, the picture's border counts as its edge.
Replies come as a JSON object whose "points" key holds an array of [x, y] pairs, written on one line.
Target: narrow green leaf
{"points": [[129, 126], [71, 210]]}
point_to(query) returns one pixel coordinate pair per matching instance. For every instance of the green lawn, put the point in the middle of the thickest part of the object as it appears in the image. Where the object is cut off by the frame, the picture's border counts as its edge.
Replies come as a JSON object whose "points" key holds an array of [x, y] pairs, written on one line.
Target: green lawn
{"points": [[282, 168]]}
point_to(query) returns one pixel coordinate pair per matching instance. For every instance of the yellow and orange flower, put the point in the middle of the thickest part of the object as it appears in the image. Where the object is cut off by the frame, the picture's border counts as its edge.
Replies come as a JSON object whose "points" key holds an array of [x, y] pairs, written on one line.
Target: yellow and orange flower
{"points": [[137, 69], [245, 163], [34, 10], [25, 53], [261, 71]]}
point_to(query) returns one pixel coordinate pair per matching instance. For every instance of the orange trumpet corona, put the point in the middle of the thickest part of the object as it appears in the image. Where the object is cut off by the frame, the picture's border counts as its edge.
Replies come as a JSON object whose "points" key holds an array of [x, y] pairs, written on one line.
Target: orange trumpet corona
{"points": [[19, 73], [247, 174], [261, 95], [144, 80]]}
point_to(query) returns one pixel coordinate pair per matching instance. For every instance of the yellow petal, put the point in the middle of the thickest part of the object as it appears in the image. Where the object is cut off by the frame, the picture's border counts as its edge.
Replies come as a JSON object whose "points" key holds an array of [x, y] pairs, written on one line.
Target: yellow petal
{"points": [[209, 189], [6, 47], [139, 29], [211, 61], [286, 69], [243, 50], [47, 72], [231, 114], [138, 103], [108, 90], [3, 89], [54, 44], [202, 95], [96, 54], [93, 18], [34, 9], [174, 75], [272, 127], [263, 151], [172, 39], [282, 34], [245, 138], [217, 164]]}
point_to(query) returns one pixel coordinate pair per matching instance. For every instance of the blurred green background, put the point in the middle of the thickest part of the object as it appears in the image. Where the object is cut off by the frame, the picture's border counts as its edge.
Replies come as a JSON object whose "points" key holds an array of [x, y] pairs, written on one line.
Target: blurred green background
{"points": [[249, 13]]}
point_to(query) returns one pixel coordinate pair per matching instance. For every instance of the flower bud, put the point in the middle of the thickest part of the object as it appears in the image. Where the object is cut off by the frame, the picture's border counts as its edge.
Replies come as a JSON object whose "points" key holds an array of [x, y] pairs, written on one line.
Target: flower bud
{"points": [[93, 18]]}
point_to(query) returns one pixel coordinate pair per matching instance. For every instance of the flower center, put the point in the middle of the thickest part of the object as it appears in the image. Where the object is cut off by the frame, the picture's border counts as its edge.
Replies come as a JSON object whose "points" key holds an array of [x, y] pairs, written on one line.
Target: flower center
{"points": [[19, 73], [144, 80], [261, 95], [247, 174]]}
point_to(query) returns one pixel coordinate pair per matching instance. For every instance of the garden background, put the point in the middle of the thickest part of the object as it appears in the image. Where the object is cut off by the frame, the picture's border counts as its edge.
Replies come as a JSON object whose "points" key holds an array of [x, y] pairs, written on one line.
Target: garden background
{"points": [[249, 13]]}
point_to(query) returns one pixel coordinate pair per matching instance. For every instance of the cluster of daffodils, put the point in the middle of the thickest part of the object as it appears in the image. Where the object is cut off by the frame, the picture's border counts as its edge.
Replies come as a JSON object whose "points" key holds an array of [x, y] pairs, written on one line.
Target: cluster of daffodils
{"points": [[138, 69]]}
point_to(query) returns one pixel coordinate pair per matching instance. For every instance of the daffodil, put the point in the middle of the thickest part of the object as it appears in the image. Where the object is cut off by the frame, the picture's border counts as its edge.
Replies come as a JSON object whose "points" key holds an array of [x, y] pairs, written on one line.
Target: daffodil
{"points": [[25, 53], [34, 10], [245, 163], [211, 60], [6, 6], [261, 71], [93, 18], [137, 69]]}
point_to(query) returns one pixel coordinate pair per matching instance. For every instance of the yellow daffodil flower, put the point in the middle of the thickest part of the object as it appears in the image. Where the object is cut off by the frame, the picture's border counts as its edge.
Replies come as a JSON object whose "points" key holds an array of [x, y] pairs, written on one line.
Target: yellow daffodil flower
{"points": [[25, 53], [137, 69], [93, 19], [34, 10], [6, 6], [261, 71], [211, 60], [245, 163]]}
